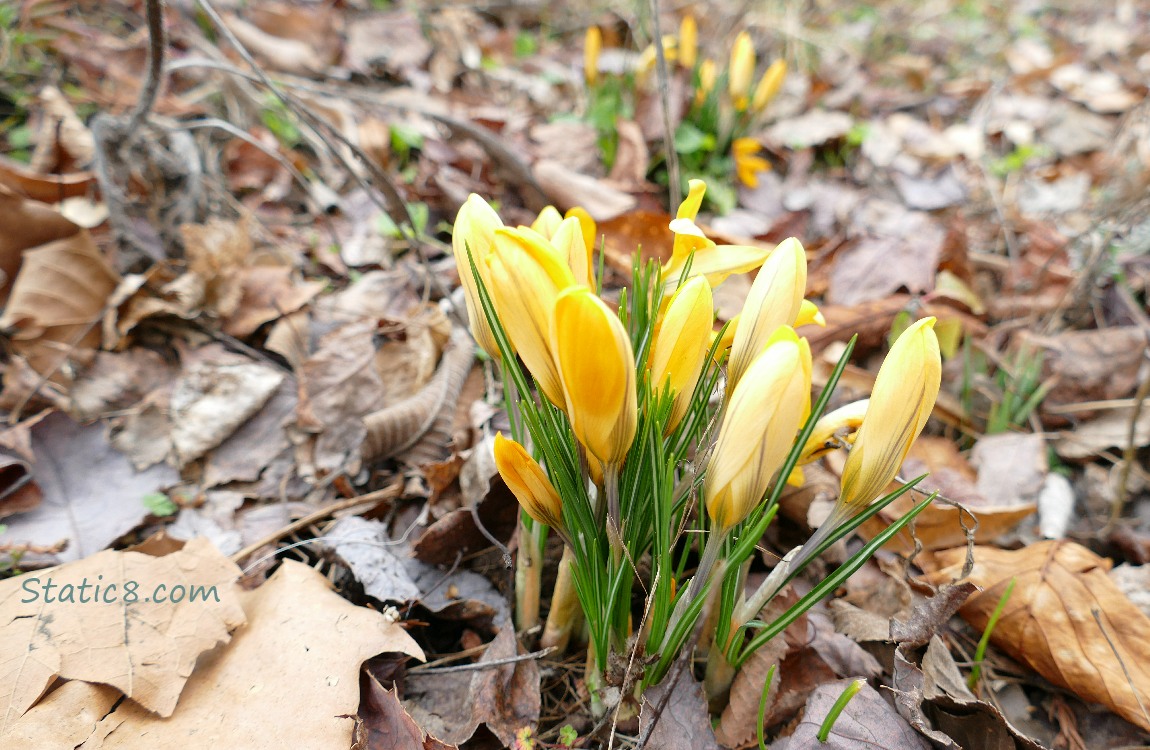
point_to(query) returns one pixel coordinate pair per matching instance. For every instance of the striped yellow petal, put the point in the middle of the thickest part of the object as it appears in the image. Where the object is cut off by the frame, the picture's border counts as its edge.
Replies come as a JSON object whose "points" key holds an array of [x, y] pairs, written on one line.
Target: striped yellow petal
{"points": [[597, 367], [474, 228], [769, 85], [568, 240], [681, 345], [592, 46], [688, 42], [742, 69], [547, 221], [527, 274], [775, 299]]}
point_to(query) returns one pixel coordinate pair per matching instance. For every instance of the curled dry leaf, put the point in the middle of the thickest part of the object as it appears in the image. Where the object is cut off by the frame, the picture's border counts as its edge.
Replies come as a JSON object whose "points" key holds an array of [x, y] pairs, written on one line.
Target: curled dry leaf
{"points": [[146, 650], [57, 301], [1049, 621], [867, 722], [27, 223], [684, 722]]}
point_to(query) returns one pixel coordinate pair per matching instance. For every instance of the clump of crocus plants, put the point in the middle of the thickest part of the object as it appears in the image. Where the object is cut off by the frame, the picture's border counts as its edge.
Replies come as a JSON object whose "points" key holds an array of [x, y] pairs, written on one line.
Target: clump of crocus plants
{"points": [[657, 447]]}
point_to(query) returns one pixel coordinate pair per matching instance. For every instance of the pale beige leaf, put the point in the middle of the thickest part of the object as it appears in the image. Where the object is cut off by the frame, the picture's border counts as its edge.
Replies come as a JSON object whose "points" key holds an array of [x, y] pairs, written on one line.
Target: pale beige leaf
{"points": [[144, 648], [288, 679], [65, 718], [1049, 623]]}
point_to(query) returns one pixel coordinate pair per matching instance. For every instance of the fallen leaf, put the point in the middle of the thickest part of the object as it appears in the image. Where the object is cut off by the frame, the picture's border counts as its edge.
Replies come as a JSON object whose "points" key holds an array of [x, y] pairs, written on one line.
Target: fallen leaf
{"points": [[65, 718], [364, 547], [1055, 506], [1109, 430], [18, 492], [87, 629], [57, 301], [46, 188], [930, 192], [292, 673], [116, 381], [27, 223], [389, 726], [65, 143], [268, 292], [567, 188], [244, 454], [392, 42], [683, 723], [1012, 467], [506, 697], [92, 495], [1094, 365], [1048, 622], [812, 128], [866, 723], [288, 55]]}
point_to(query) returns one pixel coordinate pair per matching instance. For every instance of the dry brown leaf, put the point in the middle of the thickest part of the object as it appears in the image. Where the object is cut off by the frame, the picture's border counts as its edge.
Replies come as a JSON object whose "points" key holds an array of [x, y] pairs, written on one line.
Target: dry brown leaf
{"points": [[402, 426], [940, 526], [116, 381], [18, 492], [389, 726], [568, 188], [288, 55], [867, 722], [65, 718], [1049, 620], [506, 698], [268, 292], [1109, 430], [64, 141], [27, 223], [57, 301], [92, 495], [146, 649], [46, 188], [685, 722], [247, 452], [291, 673], [216, 251], [1095, 365]]}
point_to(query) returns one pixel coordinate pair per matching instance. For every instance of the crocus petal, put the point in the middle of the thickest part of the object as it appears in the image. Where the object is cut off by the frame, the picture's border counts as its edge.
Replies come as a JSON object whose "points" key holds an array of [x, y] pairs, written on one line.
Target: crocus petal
{"points": [[742, 69], [900, 404], [833, 428], [809, 314], [527, 481], [568, 240], [708, 74], [592, 46], [690, 206], [769, 85], [547, 221], [688, 42], [597, 367], [527, 274], [757, 432], [681, 345], [774, 300], [590, 231], [474, 228]]}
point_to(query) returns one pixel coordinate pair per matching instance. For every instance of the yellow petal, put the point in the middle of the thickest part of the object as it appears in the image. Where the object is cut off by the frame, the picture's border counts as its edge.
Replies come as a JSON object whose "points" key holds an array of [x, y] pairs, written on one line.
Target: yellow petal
{"points": [[742, 69], [747, 164], [568, 240], [592, 46], [900, 404], [527, 274], [474, 228], [547, 221], [597, 367], [688, 42], [757, 432], [809, 314], [775, 299], [727, 339], [833, 428], [590, 232], [769, 85], [708, 74], [680, 348], [689, 208], [527, 481]]}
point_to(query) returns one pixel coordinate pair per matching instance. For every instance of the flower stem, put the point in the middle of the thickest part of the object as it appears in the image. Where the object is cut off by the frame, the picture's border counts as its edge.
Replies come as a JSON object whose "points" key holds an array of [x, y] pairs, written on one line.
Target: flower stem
{"points": [[529, 572], [564, 615]]}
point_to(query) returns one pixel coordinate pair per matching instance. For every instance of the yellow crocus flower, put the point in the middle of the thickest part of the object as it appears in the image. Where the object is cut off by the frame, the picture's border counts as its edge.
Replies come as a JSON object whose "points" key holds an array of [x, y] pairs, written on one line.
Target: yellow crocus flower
{"points": [[748, 163], [475, 226], [775, 299], [809, 314], [592, 46], [769, 85], [758, 429], [688, 42], [708, 74], [900, 404], [527, 275], [742, 70], [597, 367], [568, 240], [547, 221], [680, 348], [528, 482]]}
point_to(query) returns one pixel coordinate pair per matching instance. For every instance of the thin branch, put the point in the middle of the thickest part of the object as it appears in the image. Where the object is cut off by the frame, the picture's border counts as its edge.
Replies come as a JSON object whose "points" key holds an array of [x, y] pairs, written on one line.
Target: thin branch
{"points": [[157, 43], [486, 664]]}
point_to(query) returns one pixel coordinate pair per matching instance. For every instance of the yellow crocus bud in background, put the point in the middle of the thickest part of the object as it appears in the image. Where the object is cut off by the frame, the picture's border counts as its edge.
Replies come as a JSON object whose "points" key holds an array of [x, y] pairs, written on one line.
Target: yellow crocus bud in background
{"points": [[775, 299], [900, 404], [758, 429], [648, 58], [592, 46], [688, 42], [748, 163], [769, 85], [475, 226], [528, 482], [742, 70], [708, 74], [681, 345], [547, 221], [597, 367], [527, 275], [568, 240]]}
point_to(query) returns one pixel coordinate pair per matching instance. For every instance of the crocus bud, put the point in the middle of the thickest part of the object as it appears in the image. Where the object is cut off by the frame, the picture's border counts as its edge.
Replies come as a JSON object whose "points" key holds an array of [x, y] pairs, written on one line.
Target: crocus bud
{"points": [[568, 240], [592, 46], [775, 299], [742, 70], [527, 274], [708, 74], [900, 404], [681, 345], [769, 85], [688, 42], [475, 226], [758, 429], [528, 482], [547, 221], [597, 367]]}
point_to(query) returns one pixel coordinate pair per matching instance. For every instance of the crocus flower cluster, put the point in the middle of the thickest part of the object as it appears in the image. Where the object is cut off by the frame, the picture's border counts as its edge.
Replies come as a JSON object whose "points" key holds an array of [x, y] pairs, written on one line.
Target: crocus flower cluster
{"points": [[618, 385]]}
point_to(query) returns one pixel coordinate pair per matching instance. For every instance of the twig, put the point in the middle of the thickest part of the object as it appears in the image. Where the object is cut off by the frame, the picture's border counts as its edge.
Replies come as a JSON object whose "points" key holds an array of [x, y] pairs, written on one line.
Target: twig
{"points": [[1129, 452], [664, 78], [484, 664], [387, 493], [157, 43]]}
